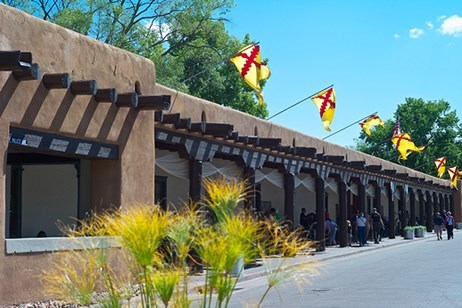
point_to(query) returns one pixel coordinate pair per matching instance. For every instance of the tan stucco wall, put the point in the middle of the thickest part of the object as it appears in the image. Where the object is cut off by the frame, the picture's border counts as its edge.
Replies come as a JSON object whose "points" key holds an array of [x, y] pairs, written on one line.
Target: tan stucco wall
{"points": [[29, 104]]}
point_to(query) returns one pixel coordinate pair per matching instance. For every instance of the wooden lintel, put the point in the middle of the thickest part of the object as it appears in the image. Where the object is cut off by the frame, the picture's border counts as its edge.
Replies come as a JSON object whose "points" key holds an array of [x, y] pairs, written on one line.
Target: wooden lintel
{"points": [[334, 159], [389, 172], [402, 175], [106, 95], [11, 61], [127, 100], [184, 123], [319, 156], [374, 168], [33, 73], [218, 129], [172, 118], [272, 143], [357, 164], [57, 81], [198, 127], [253, 140], [154, 102], [413, 178], [243, 139], [305, 151], [83, 87]]}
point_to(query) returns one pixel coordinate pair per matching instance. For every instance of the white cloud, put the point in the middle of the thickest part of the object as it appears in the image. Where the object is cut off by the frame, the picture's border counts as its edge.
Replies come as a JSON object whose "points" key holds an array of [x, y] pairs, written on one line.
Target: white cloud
{"points": [[451, 26], [415, 33], [441, 17], [162, 30], [430, 25], [396, 36]]}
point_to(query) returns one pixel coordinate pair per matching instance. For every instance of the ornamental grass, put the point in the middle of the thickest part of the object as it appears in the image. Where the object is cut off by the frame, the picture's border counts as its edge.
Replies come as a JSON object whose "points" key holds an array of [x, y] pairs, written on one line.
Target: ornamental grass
{"points": [[155, 256]]}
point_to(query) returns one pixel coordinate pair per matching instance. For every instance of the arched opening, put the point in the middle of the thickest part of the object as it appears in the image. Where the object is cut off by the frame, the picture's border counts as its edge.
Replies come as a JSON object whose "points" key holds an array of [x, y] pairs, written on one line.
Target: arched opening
{"points": [[203, 117], [255, 131], [137, 88]]}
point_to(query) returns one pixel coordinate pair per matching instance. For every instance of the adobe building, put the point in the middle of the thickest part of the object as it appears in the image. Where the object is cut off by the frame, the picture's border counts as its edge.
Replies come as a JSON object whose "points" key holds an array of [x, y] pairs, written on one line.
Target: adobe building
{"points": [[85, 127]]}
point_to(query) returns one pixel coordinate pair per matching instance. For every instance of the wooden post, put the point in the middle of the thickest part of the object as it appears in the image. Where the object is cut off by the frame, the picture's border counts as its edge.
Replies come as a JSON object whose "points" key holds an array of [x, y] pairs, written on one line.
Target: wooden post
{"points": [[429, 211], [342, 221], [289, 189], [249, 177], [412, 203], [320, 213], [391, 213], [195, 180]]}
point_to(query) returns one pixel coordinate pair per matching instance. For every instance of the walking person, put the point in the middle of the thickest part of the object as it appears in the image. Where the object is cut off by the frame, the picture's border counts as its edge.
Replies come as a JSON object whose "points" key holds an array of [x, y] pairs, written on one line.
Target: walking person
{"points": [[438, 222], [361, 223], [377, 225], [450, 225]]}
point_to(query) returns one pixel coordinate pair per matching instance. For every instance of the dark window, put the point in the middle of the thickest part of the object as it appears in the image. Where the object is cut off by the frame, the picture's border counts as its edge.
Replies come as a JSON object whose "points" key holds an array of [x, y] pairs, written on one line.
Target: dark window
{"points": [[160, 188]]}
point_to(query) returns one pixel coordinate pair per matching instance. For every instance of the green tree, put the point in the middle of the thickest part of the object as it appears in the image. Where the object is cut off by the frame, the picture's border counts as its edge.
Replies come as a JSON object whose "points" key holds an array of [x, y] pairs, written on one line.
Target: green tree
{"points": [[186, 39], [430, 123]]}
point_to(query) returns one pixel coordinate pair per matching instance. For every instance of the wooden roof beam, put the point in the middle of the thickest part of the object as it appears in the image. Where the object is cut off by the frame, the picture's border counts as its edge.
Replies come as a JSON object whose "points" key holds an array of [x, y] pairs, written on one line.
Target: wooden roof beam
{"points": [[154, 102], [127, 100], [15, 60], [305, 151], [108, 95], [57, 81], [83, 87], [218, 129], [272, 143]]}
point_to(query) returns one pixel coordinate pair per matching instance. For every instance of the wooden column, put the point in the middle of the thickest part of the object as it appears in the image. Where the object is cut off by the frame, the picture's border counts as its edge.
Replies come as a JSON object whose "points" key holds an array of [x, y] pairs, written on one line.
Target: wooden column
{"points": [[403, 215], [362, 197], [421, 207], [342, 220], [412, 203], [249, 176], [436, 206], [441, 202], [289, 202], [320, 213], [391, 213], [195, 180], [378, 198], [429, 211]]}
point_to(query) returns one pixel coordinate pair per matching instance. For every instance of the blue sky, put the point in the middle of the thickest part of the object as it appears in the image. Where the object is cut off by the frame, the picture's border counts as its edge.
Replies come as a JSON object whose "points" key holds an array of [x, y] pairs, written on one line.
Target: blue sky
{"points": [[376, 53]]}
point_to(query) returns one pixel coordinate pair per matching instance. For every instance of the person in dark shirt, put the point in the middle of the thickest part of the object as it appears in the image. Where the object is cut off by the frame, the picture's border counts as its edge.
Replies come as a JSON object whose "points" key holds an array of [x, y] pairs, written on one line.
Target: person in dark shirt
{"points": [[438, 222], [377, 225]]}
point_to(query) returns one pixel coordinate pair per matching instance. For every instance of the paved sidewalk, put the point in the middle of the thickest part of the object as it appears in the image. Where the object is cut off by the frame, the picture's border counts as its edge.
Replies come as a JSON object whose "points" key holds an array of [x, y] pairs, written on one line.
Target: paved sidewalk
{"points": [[330, 253]]}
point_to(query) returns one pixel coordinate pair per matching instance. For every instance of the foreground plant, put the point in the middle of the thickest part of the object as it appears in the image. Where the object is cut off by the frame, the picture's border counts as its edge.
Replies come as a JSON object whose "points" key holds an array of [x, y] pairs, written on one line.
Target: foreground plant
{"points": [[155, 247]]}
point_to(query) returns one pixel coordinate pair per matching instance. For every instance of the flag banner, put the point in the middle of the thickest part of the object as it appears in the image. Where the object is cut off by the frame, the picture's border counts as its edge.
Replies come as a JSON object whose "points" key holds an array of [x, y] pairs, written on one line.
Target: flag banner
{"points": [[454, 176], [405, 145], [325, 101], [370, 122], [397, 129], [252, 69], [440, 164]]}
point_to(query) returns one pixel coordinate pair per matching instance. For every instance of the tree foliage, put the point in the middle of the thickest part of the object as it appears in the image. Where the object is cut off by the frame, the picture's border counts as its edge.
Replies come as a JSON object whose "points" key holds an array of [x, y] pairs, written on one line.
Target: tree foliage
{"points": [[186, 39], [431, 123]]}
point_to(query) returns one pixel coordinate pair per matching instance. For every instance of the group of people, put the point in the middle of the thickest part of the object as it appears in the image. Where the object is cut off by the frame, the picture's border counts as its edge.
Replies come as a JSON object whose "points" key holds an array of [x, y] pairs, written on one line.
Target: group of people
{"points": [[360, 226], [441, 222]]}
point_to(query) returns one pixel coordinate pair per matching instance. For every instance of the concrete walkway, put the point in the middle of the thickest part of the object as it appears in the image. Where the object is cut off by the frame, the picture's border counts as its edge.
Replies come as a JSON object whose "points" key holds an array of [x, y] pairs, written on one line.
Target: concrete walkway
{"points": [[330, 253]]}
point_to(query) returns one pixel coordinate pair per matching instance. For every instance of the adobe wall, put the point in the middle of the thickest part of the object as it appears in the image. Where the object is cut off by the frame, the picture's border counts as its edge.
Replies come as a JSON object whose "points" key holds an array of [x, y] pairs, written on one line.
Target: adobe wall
{"points": [[28, 104]]}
